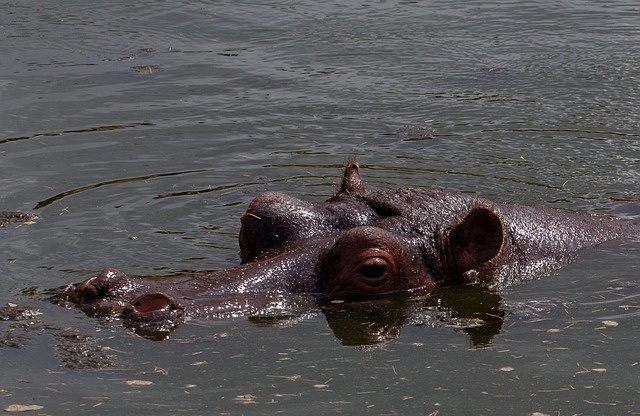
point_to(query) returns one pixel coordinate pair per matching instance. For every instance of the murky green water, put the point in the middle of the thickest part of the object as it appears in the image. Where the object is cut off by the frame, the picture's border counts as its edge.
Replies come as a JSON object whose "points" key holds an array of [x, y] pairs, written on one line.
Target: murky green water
{"points": [[138, 132]]}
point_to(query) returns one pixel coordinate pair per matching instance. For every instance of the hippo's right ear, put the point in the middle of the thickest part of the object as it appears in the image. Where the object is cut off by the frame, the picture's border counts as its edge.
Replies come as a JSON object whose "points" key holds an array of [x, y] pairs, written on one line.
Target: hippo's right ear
{"points": [[472, 242]]}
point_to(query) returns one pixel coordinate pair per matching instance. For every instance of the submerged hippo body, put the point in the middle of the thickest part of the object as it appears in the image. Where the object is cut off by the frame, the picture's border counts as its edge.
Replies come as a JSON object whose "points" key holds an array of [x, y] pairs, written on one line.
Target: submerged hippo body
{"points": [[357, 245]]}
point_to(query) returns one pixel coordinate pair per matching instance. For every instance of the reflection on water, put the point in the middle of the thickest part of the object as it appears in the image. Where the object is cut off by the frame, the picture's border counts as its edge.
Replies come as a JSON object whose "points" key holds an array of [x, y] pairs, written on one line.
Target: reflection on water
{"points": [[472, 309]]}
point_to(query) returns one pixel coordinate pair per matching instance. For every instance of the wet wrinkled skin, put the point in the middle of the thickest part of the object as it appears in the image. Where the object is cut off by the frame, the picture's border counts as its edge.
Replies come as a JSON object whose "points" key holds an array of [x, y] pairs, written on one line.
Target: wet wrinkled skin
{"points": [[359, 245]]}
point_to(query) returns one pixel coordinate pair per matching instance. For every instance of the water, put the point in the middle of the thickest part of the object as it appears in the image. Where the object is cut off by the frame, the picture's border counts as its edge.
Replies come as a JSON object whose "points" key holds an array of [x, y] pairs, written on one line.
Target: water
{"points": [[140, 131]]}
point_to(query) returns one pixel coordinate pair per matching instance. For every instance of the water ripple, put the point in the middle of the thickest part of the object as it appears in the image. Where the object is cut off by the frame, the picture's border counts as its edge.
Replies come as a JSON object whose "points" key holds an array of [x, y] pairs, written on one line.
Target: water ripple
{"points": [[75, 131], [74, 191]]}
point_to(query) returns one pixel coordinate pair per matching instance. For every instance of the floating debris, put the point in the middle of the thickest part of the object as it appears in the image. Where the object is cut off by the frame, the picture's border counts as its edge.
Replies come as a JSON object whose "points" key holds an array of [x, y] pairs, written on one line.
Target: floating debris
{"points": [[22, 407], [145, 69], [138, 382], [7, 217], [245, 399], [412, 132]]}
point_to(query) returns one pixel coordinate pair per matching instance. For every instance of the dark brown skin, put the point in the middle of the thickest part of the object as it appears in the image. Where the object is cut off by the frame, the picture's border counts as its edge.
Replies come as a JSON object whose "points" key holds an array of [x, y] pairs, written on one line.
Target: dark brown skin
{"points": [[358, 244]]}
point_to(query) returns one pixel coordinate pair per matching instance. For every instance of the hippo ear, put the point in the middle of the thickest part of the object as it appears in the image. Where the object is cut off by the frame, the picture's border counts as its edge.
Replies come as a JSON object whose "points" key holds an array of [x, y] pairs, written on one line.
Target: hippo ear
{"points": [[351, 180], [474, 241]]}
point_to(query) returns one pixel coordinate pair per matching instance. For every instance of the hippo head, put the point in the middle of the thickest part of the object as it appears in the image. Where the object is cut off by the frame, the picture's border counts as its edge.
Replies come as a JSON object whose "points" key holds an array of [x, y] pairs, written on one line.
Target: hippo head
{"points": [[368, 243], [357, 244]]}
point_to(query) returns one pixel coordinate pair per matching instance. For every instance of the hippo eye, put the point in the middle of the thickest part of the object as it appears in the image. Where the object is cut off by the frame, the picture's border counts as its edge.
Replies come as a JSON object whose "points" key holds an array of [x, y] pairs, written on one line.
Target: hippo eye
{"points": [[374, 270]]}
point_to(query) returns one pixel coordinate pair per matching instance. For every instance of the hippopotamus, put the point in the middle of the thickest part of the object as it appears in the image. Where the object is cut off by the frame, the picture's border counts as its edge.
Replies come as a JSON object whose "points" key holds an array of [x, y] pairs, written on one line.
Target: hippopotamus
{"points": [[358, 245]]}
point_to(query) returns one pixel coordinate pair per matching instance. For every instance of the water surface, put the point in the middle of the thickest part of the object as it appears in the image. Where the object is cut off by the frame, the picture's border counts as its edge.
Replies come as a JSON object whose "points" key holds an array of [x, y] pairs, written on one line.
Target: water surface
{"points": [[139, 132]]}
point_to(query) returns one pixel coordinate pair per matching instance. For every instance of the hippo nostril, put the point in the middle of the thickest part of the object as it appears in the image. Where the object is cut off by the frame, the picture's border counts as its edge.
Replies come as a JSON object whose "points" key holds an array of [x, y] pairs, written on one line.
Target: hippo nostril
{"points": [[152, 302], [89, 291], [152, 307], [97, 287], [153, 315]]}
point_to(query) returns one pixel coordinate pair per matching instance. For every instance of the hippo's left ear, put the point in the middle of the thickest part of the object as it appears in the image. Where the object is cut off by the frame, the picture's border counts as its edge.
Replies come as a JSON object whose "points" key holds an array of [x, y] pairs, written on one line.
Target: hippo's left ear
{"points": [[351, 182], [472, 242]]}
